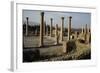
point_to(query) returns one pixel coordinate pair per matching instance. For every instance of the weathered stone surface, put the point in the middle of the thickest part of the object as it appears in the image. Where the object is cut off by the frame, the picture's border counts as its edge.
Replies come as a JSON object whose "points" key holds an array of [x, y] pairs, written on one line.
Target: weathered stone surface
{"points": [[62, 27], [56, 35], [41, 29], [76, 35], [69, 46], [44, 28], [65, 46], [69, 28], [72, 37], [85, 34], [27, 22], [82, 30], [51, 27]]}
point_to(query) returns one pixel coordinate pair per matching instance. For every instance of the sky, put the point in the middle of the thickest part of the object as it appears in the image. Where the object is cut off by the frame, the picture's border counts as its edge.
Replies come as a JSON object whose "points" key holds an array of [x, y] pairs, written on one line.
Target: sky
{"points": [[78, 19]]}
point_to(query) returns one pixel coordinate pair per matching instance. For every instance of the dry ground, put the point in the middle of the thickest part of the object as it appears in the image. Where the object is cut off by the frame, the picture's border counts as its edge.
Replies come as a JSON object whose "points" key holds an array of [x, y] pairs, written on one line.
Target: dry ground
{"points": [[51, 52]]}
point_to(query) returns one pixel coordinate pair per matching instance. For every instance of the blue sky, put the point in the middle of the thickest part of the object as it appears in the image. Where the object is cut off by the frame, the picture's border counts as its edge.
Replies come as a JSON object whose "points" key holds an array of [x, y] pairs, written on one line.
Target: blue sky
{"points": [[78, 19]]}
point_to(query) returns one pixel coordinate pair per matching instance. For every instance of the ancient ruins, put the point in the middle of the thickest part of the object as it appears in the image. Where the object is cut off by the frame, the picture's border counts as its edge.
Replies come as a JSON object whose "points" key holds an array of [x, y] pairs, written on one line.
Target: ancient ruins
{"points": [[55, 35]]}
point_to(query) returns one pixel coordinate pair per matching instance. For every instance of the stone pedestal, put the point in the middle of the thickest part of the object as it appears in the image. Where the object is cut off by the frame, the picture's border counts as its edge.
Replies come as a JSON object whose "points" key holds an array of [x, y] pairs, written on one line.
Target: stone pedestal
{"points": [[68, 46], [64, 46], [72, 37]]}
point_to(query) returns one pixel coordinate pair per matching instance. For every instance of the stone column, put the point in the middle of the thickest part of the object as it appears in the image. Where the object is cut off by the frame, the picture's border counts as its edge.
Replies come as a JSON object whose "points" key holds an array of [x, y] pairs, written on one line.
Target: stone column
{"points": [[85, 34], [62, 27], [86, 29], [56, 34], [69, 28], [27, 25], [88, 36], [36, 32], [76, 34], [44, 28], [47, 30], [82, 30], [89, 30], [41, 29], [51, 27]]}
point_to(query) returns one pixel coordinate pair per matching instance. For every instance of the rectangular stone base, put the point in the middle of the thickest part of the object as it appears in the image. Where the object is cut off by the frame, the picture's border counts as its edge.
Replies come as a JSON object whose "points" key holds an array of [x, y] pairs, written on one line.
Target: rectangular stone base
{"points": [[65, 46]]}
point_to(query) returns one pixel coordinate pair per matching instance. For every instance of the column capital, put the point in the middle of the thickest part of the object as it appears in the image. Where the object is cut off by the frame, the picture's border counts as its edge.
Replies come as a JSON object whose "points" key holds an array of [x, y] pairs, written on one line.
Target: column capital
{"points": [[56, 25], [27, 18], [70, 17], [51, 19], [42, 13], [86, 25], [62, 18]]}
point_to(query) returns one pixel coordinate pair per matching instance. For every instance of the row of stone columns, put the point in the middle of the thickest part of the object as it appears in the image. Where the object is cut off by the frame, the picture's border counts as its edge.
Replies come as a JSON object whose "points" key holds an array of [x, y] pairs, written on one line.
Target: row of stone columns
{"points": [[42, 26], [86, 34], [85, 30], [43, 30]]}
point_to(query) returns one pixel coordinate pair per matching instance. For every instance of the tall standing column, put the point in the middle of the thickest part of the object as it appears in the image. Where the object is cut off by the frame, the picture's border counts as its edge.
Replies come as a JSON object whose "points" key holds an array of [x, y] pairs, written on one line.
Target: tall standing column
{"points": [[85, 35], [41, 29], [82, 30], [86, 29], [44, 28], [56, 34], [62, 27], [89, 30], [47, 30], [27, 25], [51, 27], [69, 28], [76, 34]]}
